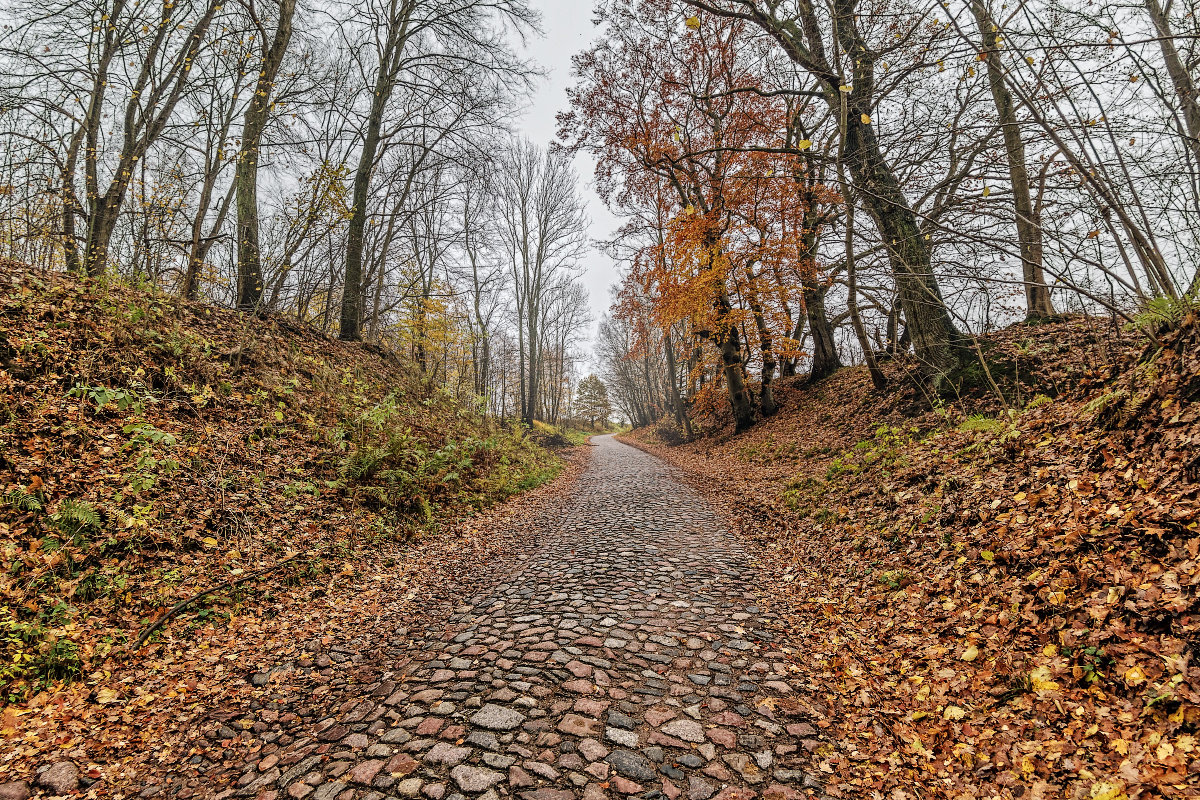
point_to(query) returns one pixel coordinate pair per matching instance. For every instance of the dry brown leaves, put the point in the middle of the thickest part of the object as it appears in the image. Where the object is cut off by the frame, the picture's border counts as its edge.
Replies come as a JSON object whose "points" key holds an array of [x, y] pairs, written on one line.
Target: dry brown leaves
{"points": [[250, 405], [988, 608]]}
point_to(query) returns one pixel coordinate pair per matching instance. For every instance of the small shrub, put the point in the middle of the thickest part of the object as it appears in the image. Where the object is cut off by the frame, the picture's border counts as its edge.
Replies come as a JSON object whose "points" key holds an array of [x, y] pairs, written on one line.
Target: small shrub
{"points": [[35, 654], [102, 397], [982, 423]]}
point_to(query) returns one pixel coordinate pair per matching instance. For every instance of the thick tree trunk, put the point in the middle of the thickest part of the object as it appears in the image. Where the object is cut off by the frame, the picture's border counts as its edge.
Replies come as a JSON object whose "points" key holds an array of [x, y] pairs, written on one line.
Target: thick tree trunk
{"points": [[250, 276], [730, 346], [103, 221], [935, 339], [350, 324], [825, 360], [1029, 226], [766, 397]]}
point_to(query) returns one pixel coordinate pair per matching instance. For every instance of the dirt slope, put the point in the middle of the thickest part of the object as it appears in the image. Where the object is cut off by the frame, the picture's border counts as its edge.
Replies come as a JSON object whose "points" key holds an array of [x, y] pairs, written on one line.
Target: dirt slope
{"points": [[988, 605]]}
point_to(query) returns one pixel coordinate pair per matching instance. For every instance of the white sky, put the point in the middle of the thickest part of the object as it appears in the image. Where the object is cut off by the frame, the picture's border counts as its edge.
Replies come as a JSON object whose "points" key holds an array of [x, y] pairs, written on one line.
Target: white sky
{"points": [[568, 30]]}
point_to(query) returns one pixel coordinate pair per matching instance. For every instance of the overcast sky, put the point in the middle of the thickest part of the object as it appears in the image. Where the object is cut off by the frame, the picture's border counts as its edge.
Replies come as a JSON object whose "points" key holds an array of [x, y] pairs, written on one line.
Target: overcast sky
{"points": [[568, 29]]}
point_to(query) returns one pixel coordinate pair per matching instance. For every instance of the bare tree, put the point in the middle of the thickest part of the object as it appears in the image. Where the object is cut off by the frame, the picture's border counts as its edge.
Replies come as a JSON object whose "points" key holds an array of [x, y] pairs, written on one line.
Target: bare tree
{"points": [[541, 234]]}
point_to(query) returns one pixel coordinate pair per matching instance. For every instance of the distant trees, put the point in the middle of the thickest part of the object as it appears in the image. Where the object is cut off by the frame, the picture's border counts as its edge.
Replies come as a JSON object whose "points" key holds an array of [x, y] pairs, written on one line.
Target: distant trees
{"points": [[359, 174], [540, 231], [591, 401]]}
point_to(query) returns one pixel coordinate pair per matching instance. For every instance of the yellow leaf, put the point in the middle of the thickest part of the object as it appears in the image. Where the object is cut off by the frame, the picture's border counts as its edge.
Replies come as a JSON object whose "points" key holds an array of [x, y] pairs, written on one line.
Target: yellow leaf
{"points": [[846, 88], [1134, 676], [866, 119], [804, 144], [209, 541], [1042, 680], [971, 653], [987, 190], [987, 555], [693, 22], [108, 696], [953, 713], [1106, 790]]}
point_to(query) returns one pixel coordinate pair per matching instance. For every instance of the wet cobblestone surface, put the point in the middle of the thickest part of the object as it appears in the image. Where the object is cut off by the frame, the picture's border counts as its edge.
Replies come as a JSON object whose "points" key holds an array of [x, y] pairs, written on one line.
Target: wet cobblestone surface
{"points": [[627, 658]]}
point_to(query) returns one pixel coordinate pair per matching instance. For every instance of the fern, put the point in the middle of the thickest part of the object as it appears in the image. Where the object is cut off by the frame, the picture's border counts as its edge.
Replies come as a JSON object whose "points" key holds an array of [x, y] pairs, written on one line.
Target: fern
{"points": [[22, 500], [75, 517], [1163, 314]]}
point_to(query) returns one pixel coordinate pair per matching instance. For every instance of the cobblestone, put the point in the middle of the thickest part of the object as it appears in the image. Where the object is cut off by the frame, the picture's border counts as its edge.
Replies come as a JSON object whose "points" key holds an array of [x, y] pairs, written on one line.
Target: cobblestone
{"points": [[626, 657]]}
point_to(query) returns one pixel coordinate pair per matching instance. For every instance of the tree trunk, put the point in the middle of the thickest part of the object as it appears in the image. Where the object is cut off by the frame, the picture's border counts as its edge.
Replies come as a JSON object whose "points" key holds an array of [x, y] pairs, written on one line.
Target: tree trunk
{"points": [[250, 277], [825, 360], [730, 346], [105, 212], [350, 323], [1185, 85], [198, 252], [1029, 226], [766, 397], [877, 377], [70, 203], [681, 418], [935, 339], [531, 391]]}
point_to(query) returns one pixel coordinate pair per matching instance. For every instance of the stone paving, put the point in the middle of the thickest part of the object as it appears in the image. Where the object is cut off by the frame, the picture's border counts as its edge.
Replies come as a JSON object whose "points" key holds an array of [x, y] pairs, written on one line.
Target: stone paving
{"points": [[626, 659]]}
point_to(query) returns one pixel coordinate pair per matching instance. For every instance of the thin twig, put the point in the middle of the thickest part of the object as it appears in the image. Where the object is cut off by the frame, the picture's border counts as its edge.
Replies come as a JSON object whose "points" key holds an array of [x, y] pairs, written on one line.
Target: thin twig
{"points": [[182, 604]]}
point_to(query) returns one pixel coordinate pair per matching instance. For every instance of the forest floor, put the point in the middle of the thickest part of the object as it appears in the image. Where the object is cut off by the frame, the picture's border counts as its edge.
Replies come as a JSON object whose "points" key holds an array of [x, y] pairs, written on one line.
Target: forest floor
{"points": [[995, 598], [867, 595], [299, 491]]}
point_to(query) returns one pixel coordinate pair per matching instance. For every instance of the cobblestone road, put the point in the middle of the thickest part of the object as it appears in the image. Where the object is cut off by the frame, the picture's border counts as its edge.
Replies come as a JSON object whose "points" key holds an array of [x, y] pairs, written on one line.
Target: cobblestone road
{"points": [[627, 659]]}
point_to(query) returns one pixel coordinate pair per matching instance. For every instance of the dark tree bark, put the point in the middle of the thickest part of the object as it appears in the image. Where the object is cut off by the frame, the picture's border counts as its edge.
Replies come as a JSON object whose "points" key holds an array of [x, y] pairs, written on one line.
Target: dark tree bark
{"points": [[390, 57], [250, 276], [766, 396], [825, 360], [729, 343]]}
